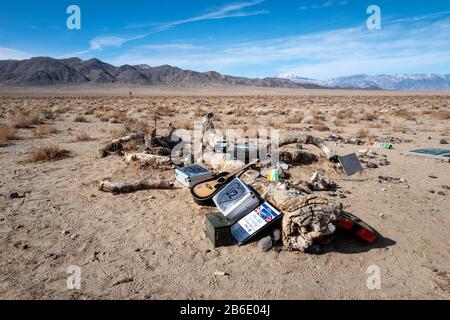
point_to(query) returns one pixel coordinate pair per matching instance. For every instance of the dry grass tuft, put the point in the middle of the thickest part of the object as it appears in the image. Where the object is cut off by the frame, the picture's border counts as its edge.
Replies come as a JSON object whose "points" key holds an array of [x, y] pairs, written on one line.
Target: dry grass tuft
{"points": [[45, 130], [79, 118], [83, 137], [50, 153], [406, 114], [23, 121], [6, 134], [362, 133]]}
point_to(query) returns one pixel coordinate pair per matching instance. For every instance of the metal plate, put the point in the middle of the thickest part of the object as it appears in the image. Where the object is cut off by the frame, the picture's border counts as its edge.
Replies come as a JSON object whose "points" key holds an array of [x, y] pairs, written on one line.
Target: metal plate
{"points": [[436, 153], [350, 163]]}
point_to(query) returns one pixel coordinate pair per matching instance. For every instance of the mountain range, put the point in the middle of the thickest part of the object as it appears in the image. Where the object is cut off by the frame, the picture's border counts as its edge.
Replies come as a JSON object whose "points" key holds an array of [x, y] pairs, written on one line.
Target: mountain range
{"points": [[406, 82], [42, 71]]}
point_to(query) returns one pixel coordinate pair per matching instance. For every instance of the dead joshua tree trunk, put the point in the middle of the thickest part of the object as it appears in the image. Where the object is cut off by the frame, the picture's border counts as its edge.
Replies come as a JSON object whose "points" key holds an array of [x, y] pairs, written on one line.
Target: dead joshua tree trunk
{"points": [[307, 139], [126, 187], [116, 146], [312, 220]]}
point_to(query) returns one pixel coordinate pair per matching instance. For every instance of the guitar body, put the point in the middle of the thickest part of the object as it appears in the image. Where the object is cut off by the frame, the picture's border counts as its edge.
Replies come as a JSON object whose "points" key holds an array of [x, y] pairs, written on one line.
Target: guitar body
{"points": [[205, 191]]}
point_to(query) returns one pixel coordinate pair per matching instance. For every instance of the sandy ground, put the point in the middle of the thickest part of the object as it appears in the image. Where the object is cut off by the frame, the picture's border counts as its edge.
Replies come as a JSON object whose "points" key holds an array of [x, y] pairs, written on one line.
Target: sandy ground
{"points": [[152, 244]]}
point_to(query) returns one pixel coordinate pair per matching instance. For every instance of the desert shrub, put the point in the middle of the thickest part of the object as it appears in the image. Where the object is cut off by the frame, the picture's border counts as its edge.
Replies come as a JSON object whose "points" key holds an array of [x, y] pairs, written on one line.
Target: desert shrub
{"points": [[23, 121], [82, 137], [118, 133], [44, 130], [49, 153], [440, 114], [362, 133], [344, 114], [6, 134], [369, 116], [404, 113], [79, 118]]}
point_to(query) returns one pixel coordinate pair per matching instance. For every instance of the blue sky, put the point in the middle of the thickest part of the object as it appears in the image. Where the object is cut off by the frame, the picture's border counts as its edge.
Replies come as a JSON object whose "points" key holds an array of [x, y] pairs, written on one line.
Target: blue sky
{"points": [[256, 38]]}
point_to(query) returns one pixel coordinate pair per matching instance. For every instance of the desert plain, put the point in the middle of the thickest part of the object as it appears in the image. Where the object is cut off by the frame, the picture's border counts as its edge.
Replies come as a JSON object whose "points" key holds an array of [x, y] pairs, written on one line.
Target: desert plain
{"points": [[152, 244]]}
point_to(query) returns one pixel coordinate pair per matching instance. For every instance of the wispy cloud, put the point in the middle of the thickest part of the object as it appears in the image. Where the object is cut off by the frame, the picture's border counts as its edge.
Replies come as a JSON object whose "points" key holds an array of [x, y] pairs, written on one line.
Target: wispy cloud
{"points": [[326, 4], [8, 53], [170, 46], [100, 42], [396, 48], [229, 11]]}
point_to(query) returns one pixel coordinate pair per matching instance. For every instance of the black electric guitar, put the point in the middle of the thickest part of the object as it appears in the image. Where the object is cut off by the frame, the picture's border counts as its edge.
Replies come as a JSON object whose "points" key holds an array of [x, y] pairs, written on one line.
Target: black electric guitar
{"points": [[205, 191]]}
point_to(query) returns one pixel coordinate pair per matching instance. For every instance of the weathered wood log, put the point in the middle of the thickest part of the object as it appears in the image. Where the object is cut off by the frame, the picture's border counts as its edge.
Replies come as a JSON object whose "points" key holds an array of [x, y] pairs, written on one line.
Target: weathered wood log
{"points": [[116, 146], [149, 161], [127, 187], [306, 139]]}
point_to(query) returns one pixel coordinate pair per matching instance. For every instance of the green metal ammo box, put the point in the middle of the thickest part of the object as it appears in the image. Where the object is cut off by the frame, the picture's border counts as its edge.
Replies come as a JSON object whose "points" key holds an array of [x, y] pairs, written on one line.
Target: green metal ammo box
{"points": [[218, 230]]}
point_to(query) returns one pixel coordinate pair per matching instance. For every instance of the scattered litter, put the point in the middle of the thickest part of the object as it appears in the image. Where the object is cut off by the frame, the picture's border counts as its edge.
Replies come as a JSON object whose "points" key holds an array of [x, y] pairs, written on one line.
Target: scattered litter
{"points": [[249, 176], [218, 230], [236, 200], [273, 175], [381, 145], [358, 227], [436, 153], [350, 163], [257, 220], [189, 176], [387, 179]]}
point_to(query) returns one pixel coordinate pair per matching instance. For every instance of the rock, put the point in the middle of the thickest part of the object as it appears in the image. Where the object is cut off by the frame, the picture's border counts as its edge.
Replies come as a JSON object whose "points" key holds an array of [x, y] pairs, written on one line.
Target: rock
{"points": [[276, 235], [220, 274], [431, 191], [441, 193], [13, 195], [371, 165], [443, 141], [265, 244], [432, 177], [446, 187]]}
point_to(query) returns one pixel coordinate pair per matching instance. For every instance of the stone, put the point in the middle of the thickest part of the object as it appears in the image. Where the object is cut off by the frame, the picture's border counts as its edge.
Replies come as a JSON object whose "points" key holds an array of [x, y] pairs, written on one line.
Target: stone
{"points": [[13, 195], [276, 235], [265, 244], [443, 141]]}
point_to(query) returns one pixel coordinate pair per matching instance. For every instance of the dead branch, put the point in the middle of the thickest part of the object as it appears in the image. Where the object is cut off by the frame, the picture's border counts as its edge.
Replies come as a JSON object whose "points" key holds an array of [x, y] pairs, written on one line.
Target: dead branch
{"points": [[126, 187], [116, 146], [306, 139]]}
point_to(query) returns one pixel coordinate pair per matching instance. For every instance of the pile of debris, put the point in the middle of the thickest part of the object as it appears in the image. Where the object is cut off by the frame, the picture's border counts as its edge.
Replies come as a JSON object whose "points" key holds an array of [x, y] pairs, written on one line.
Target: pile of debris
{"points": [[299, 214]]}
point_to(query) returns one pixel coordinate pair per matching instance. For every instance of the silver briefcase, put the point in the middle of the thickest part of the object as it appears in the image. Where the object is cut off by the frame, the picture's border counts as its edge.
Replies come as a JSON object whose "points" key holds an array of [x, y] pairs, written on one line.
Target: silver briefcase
{"points": [[190, 176], [236, 200]]}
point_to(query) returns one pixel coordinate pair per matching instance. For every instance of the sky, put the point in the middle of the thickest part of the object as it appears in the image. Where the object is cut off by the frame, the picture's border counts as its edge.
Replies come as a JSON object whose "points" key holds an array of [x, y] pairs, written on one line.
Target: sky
{"points": [[319, 39]]}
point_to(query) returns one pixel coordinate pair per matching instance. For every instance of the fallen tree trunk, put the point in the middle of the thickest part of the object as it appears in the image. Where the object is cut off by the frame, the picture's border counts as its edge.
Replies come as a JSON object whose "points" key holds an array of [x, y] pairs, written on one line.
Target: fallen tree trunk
{"points": [[306, 139], [116, 146], [126, 187]]}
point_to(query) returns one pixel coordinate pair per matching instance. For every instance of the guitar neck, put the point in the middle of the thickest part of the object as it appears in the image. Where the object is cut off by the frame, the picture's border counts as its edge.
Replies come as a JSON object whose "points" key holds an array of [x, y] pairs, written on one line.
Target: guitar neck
{"points": [[241, 169]]}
